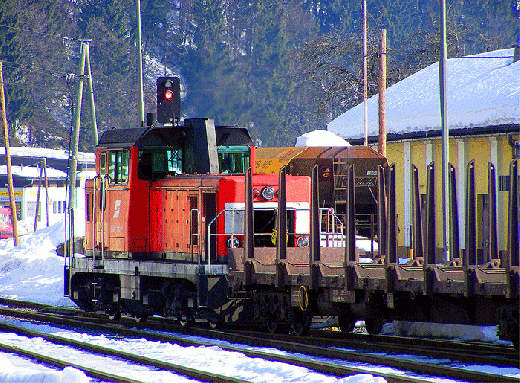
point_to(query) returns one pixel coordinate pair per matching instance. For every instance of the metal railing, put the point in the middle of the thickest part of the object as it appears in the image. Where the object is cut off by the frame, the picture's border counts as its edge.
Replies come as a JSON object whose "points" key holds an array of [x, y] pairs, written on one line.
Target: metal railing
{"points": [[331, 233]]}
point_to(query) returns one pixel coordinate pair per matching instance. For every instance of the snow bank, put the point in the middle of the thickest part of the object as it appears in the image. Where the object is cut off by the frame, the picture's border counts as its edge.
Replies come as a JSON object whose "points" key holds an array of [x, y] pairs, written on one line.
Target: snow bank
{"points": [[32, 271]]}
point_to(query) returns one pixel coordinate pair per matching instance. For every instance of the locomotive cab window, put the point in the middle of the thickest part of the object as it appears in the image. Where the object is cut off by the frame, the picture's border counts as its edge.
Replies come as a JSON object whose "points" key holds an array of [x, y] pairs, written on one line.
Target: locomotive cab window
{"points": [[157, 163], [118, 166], [233, 159], [103, 164]]}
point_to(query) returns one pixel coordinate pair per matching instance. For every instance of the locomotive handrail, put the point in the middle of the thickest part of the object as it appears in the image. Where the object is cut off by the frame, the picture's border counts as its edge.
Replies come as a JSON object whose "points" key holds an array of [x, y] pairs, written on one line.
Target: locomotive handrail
{"points": [[194, 234]]}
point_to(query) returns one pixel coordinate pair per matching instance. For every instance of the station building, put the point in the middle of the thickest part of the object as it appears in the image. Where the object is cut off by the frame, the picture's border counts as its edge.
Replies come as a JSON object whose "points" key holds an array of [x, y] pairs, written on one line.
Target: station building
{"points": [[38, 198]]}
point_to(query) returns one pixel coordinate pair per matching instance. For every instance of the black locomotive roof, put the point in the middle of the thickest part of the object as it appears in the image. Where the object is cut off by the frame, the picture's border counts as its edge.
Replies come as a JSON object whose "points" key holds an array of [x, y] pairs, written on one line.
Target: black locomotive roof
{"points": [[121, 137], [225, 136]]}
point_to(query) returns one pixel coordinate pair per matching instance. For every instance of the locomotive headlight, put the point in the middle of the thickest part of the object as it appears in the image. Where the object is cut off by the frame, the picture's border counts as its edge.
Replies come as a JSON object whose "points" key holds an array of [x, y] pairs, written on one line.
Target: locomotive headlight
{"points": [[267, 193], [302, 241], [232, 242], [256, 193]]}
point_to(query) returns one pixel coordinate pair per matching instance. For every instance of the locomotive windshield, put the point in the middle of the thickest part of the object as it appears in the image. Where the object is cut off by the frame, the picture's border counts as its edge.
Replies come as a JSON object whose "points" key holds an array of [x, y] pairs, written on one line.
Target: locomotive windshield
{"points": [[233, 159], [114, 164], [159, 162]]}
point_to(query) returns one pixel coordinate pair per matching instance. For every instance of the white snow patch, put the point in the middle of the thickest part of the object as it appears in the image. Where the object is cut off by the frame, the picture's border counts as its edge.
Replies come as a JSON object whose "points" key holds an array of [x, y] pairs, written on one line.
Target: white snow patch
{"points": [[320, 138]]}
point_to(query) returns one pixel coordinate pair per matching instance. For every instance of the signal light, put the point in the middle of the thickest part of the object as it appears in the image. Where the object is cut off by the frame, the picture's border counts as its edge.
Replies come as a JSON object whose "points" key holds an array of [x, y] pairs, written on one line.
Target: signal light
{"points": [[168, 99]]}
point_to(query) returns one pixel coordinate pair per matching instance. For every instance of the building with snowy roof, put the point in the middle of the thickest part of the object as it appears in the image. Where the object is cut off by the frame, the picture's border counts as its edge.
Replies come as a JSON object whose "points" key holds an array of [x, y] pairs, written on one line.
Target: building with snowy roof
{"points": [[41, 192], [483, 113]]}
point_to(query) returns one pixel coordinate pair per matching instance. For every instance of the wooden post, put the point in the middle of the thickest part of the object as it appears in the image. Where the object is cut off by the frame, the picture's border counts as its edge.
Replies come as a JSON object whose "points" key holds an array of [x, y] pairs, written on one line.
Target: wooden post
{"points": [[382, 94], [46, 191], [365, 75], [37, 210], [8, 158]]}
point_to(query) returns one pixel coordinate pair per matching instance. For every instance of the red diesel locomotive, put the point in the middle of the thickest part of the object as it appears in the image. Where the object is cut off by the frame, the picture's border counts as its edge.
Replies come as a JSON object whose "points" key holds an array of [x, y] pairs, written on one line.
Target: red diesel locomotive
{"points": [[167, 205]]}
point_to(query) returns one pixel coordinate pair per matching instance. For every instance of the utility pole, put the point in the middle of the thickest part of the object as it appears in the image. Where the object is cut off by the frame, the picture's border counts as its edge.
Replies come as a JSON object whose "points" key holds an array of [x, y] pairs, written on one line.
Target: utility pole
{"points": [[382, 94], [140, 64], [8, 158], [445, 136], [365, 75]]}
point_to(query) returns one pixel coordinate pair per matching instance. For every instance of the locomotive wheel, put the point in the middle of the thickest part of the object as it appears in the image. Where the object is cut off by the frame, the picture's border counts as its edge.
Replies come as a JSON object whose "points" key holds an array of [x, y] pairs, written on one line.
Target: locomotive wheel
{"points": [[374, 325], [272, 326], [346, 323], [301, 324]]}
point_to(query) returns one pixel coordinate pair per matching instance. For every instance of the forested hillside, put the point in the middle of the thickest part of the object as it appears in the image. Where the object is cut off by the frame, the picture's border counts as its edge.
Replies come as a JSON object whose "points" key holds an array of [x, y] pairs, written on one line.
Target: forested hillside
{"points": [[281, 68]]}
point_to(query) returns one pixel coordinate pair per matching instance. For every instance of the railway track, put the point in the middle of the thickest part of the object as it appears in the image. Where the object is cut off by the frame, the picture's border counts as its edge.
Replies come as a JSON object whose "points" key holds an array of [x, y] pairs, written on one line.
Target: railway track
{"points": [[103, 352], [317, 346]]}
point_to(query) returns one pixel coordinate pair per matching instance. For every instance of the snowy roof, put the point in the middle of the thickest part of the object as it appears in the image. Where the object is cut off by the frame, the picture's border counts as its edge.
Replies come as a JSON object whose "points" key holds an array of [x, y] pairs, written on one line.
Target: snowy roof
{"points": [[58, 154], [32, 172], [320, 138], [482, 91]]}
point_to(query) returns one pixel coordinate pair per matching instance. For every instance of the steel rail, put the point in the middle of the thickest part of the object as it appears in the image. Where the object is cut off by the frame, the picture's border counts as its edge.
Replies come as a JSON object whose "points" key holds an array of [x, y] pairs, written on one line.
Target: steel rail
{"points": [[318, 366], [306, 345]]}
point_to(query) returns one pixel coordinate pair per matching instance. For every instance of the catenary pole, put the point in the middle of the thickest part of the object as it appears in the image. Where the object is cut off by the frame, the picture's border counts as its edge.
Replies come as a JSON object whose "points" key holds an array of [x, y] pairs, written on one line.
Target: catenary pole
{"points": [[365, 75], [90, 92], [8, 158], [382, 95], [140, 64], [445, 135], [75, 143]]}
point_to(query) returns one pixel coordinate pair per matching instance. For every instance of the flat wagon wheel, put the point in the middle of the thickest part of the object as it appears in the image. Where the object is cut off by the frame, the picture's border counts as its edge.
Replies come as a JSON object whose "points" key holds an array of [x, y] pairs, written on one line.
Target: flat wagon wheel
{"points": [[374, 325], [346, 323], [301, 323]]}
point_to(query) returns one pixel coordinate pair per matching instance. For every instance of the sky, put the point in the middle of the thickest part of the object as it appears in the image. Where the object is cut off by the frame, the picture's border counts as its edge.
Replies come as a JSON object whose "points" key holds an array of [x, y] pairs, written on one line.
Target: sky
{"points": [[482, 90]]}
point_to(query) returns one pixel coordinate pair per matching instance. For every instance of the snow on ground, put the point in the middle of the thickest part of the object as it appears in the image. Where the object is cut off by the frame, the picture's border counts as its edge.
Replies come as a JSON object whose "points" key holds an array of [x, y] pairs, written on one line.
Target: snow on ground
{"points": [[32, 271]]}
